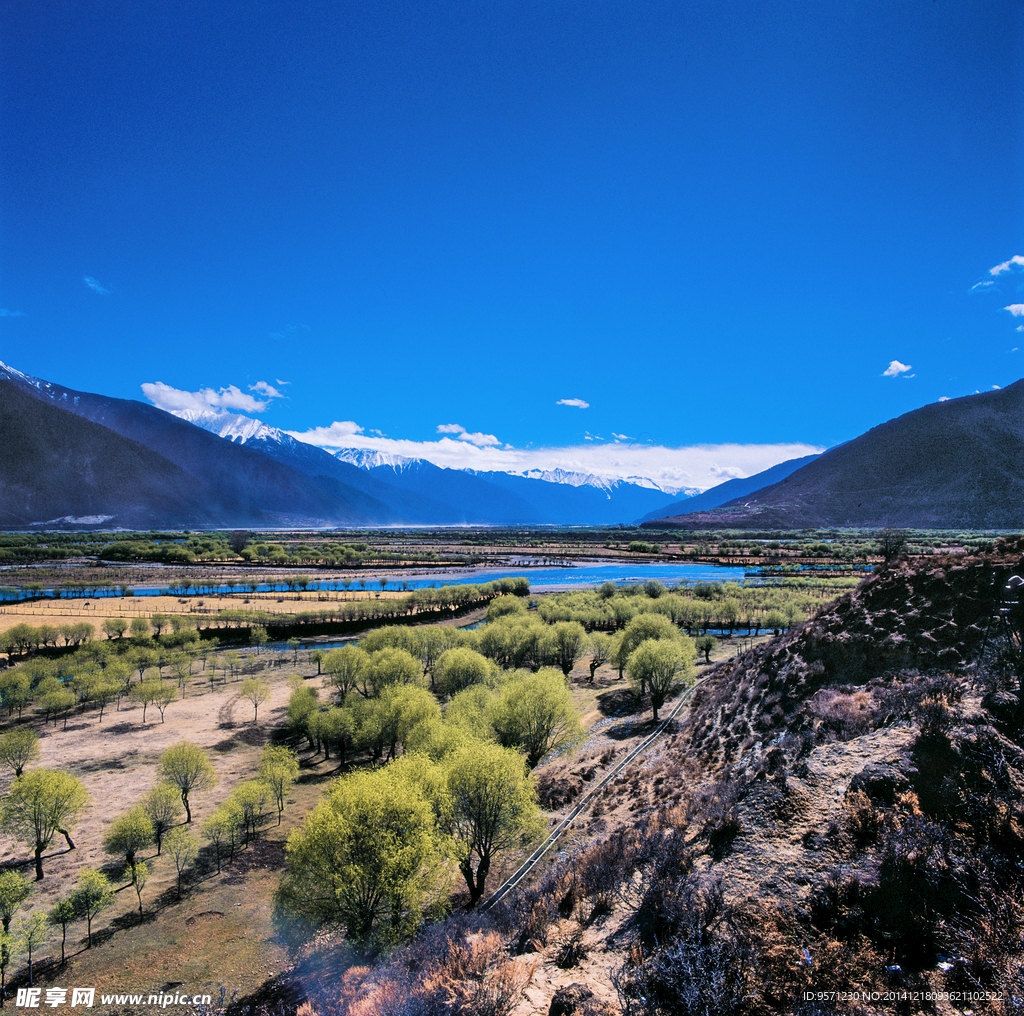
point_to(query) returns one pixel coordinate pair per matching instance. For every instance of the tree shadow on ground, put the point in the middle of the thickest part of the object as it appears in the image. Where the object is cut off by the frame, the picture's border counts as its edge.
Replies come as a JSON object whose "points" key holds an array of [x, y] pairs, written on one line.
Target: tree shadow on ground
{"points": [[279, 996], [619, 702]]}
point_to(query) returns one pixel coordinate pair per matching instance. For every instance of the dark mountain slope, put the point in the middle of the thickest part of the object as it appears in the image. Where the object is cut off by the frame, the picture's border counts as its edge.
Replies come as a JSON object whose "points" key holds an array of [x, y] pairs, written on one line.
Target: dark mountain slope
{"points": [[730, 490], [258, 486], [54, 464], [956, 464]]}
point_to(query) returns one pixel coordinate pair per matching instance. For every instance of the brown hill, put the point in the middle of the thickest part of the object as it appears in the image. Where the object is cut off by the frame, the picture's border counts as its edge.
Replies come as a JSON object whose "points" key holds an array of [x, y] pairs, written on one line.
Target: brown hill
{"points": [[949, 465]]}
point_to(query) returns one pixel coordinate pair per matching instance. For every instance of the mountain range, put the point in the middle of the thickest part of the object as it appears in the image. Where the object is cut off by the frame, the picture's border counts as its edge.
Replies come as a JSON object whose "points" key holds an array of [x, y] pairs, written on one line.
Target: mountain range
{"points": [[78, 459], [71, 457], [953, 464]]}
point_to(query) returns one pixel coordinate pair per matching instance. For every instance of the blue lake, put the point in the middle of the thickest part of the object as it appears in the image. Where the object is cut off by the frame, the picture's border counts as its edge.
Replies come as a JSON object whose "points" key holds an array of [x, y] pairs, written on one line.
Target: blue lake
{"points": [[539, 578]]}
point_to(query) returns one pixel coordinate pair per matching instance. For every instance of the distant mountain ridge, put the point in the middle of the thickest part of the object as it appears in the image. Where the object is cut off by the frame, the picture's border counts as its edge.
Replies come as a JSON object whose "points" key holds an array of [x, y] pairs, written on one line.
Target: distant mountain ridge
{"points": [[730, 490], [957, 464]]}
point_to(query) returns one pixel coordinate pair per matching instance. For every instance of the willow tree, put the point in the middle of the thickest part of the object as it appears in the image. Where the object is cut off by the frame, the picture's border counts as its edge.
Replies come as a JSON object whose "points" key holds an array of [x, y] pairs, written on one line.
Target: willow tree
{"points": [[41, 804], [366, 860], [491, 808]]}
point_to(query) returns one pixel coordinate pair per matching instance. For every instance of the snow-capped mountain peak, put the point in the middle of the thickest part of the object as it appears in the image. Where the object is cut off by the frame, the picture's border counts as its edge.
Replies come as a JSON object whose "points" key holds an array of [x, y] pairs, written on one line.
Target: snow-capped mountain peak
{"points": [[234, 427], [607, 483], [368, 458]]}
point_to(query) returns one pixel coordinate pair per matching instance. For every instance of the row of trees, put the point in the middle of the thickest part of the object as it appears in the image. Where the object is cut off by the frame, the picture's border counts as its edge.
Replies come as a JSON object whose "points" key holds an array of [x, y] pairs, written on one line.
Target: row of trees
{"points": [[698, 608]]}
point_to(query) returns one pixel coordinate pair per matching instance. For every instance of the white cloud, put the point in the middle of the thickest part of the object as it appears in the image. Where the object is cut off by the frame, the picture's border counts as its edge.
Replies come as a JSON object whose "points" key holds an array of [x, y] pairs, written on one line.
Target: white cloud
{"points": [[943, 398], [1017, 259], [340, 434], [982, 285], [481, 440], [621, 437], [896, 368], [264, 389], [95, 286], [280, 382], [1016, 309], [694, 466], [996, 387], [173, 400], [578, 403], [11, 313]]}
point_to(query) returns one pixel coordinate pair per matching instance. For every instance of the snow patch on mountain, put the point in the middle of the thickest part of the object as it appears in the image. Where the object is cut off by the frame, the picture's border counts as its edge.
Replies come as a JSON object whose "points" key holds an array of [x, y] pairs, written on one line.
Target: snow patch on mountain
{"points": [[55, 392], [608, 483], [236, 428], [367, 458]]}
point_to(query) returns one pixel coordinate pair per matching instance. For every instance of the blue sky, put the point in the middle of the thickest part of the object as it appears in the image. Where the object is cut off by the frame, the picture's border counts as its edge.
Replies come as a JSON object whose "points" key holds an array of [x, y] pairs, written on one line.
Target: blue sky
{"points": [[696, 237]]}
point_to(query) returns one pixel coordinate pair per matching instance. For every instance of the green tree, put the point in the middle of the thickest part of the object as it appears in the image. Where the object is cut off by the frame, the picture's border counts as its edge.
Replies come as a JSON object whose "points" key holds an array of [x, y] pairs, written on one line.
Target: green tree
{"points": [[458, 668], [345, 668], [186, 767], [388, 720], [641, 628], [564, 644], [137, 873], [318, 656], [492, 807], [160, 693], [706, 644], [535, 714], [115, 627], [19, 747], [129, 833], [661, 666], [256, 692], [366, 858], [102, 693], [183, 848], [504, 606], [163, 806], [302, 705], [389, 667], [33, 935], [140, 628], [600, 651], [92, 893], [250, 799], [61, 914], [39, 805], [258, 637], [59, 702], [221, 829], [279, 769], [14, 890]]}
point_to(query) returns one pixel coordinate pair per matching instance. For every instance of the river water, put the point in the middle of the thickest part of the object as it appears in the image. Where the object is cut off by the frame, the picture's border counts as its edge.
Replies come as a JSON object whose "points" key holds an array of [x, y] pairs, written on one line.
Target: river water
{"points": [[540, 579]]}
